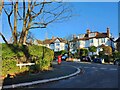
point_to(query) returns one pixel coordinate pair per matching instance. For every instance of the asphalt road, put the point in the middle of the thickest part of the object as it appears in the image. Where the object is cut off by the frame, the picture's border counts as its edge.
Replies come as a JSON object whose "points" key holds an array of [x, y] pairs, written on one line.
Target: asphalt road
{"points": [[93, 75]]}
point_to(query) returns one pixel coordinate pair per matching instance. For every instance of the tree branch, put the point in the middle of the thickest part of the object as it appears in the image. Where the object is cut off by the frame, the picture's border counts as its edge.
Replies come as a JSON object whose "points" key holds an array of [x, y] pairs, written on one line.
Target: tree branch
{"points": [[23, 9], [9, 16], [37, 27], [19, 16], [39, 11], [3, 38], [56, 17]]}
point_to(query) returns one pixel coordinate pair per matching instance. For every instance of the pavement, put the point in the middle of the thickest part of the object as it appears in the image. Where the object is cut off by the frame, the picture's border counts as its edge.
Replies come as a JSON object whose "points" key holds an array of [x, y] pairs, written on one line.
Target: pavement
{"points": [[58, 72]]}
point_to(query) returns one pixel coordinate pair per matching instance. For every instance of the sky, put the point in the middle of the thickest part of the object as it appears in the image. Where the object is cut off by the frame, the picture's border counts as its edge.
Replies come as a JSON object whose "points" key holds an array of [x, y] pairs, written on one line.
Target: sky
{"points": [[96, 16]]}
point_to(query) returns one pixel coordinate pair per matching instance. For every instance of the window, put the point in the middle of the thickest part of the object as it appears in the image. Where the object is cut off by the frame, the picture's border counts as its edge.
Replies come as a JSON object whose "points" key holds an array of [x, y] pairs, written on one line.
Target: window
{"points": [[74, 44], [91, 40], [92, 35], [57, 44], [103, 40], [81, 35]]}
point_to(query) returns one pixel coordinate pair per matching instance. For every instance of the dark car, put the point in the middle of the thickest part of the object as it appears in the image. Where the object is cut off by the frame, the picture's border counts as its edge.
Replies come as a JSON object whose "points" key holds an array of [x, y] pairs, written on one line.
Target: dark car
{"points": [[85, 58], [98, 60], [117, 62]]}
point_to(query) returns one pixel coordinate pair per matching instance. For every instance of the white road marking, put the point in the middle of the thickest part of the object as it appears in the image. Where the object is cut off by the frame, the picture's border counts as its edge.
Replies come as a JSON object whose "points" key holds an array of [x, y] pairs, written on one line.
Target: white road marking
{"points": [[103, 68], [86, 67], [113, 69], [94, 67]]}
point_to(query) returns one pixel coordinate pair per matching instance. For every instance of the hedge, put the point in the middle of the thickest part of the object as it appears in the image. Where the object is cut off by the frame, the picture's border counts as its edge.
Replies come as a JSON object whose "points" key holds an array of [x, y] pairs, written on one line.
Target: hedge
{"points": [[15, 53]]}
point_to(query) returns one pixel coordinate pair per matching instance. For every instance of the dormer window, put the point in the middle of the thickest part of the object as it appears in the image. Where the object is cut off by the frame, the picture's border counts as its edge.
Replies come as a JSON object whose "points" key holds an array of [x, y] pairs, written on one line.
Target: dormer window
{"points": [[81, 35], [92, 34]]}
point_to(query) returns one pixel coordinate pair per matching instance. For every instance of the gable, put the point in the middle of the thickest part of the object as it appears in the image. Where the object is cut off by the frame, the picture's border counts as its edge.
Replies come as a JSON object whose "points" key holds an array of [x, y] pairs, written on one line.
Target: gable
{"points": [[57, 40]]}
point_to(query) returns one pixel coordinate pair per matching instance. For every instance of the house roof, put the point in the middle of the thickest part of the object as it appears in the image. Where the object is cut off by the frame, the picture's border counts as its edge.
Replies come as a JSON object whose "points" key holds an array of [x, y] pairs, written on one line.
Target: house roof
{"points": [[86, 37], [118, 40], [49, 41], [39, 41], [101, 35]]}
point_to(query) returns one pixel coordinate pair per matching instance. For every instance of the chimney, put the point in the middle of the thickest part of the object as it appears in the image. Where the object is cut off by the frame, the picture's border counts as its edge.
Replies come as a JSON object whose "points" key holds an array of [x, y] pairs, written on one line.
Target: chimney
{"points": [[53, 37], [88, 31], [74, 36], [108, 31]]}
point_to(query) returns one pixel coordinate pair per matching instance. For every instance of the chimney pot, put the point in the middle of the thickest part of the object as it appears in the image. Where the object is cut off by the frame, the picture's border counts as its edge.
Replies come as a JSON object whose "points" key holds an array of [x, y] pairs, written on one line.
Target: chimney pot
{"points": [[74, 36], [88, 31], [53, 37], [108, 31]]}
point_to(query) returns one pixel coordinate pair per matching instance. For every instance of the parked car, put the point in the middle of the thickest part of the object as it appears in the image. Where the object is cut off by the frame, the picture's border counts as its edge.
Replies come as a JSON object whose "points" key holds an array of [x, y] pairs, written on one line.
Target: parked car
{"points": [[117, 62], [85, 58], [64, 57], [98, 60]]}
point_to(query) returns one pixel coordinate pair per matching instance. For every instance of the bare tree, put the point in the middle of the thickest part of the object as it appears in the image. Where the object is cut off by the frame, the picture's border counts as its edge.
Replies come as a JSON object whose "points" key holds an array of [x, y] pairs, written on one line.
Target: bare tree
{"points": [[34, 14], [41, 18]]}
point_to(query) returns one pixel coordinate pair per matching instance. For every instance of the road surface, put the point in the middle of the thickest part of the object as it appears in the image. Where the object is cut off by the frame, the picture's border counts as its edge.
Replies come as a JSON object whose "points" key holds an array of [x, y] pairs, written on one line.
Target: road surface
{"points": [[93, 75]]}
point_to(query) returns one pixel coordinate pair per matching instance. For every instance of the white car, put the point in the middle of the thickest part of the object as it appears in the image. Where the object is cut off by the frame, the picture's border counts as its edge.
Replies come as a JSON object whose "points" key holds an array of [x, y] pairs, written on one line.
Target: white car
{"points": [[64, 57]]}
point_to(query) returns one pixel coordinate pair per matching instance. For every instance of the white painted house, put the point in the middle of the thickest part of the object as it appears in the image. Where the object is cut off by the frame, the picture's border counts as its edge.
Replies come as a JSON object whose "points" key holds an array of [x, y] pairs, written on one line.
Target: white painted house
{"points": [[56, 44], [92, 39]]}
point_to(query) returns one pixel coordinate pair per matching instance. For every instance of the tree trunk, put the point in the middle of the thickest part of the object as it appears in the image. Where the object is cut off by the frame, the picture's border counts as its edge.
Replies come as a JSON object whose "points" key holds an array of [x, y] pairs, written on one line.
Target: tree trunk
{"points": [[25, 29], [15, 23], [1, 5], [25, 37], [23, 33]]}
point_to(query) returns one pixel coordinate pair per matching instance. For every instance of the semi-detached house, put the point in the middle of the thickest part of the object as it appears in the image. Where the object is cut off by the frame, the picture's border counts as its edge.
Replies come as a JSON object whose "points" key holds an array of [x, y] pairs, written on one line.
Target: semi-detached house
{"points": [[56, 44], [92, 39], [86, 40]]}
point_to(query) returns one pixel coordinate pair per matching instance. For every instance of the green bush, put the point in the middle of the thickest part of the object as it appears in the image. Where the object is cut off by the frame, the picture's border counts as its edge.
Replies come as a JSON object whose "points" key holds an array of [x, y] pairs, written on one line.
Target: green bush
{"points": [[9, 67], [107, 58], [10, 51], [60, 52], [13, 54], [83, 51], [116, 55]]}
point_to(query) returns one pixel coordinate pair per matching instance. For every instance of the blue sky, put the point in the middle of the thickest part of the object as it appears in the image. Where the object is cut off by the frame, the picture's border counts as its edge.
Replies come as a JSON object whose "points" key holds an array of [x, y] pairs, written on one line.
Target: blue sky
{"points": [[96, 16]]}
